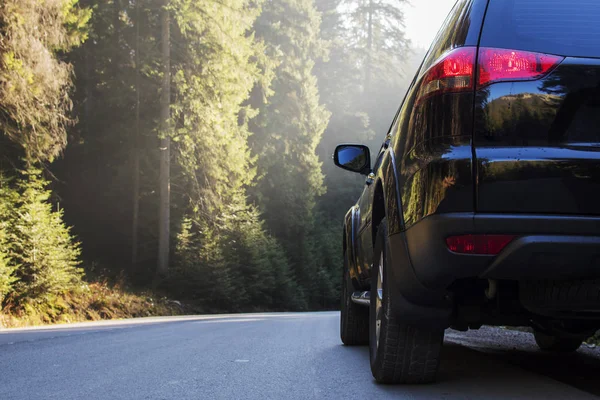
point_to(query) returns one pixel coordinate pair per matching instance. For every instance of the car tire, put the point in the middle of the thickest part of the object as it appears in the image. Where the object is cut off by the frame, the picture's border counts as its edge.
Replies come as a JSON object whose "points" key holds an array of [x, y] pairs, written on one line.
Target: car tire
{"points": [[555, 343], [400, 353], [354, 318]]}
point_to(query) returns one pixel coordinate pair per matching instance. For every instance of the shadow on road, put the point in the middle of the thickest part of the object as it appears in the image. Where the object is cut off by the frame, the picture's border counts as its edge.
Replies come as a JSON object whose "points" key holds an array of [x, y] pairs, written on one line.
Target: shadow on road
{"points": [[579, 370], [510, 374]]}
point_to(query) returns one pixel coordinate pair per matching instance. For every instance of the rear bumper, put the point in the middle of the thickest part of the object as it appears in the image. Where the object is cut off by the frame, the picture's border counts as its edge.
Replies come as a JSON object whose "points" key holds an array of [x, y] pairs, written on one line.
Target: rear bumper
{"points": [[546, 247], [549, 247]]}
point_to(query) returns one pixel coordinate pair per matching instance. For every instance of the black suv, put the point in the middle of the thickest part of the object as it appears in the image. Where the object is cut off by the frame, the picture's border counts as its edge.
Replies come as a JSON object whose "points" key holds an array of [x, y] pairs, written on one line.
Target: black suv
{"points": [[483, 204]]}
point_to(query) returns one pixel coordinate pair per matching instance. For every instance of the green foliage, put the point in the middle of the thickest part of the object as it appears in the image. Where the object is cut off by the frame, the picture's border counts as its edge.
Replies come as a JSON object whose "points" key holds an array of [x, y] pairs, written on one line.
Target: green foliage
{"points": [[362, 84], [97, 168], [215, 67], [8, 199], [90, 302], [374, 34], [237, 267], [42, 246], [223, 254], [286, 134], [261, 91], [38, 256], [34, 82]]}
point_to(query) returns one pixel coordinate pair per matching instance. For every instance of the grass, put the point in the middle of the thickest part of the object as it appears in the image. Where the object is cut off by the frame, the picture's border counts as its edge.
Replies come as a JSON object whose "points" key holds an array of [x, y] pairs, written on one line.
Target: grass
{"points": [[90, 302]]}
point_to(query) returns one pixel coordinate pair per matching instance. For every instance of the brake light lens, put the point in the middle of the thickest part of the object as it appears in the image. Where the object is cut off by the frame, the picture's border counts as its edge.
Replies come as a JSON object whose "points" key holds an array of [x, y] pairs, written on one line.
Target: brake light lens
{"points": [[512, 65], [478, 244], [452, 73], [455, 71]]}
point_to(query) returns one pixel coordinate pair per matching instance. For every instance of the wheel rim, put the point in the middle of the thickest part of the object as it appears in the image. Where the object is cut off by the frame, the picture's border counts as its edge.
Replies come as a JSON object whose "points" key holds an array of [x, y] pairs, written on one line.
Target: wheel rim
{"points": [[379, 300]]}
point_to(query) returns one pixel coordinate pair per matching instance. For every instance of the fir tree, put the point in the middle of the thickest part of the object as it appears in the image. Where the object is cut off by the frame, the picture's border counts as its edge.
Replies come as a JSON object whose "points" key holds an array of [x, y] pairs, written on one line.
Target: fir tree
{"points": [[42, 246], [287, 132], [38, 257], [34, 83], [8, 198], [216, 65]]}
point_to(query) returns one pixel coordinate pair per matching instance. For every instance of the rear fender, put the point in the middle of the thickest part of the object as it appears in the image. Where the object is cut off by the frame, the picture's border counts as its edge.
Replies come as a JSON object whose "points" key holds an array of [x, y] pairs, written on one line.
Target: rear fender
{"points": [[387, 194], [411, 300]]}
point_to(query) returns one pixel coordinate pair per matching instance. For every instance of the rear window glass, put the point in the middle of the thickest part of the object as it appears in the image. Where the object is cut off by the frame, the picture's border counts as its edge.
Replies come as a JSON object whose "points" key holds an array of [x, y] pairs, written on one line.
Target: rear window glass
{"points": [[562, 27]]}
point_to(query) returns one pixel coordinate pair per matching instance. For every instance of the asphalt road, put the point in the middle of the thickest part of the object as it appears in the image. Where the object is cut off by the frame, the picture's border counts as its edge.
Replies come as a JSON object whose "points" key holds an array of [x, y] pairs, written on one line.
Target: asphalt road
{"points": [[269, 356]]}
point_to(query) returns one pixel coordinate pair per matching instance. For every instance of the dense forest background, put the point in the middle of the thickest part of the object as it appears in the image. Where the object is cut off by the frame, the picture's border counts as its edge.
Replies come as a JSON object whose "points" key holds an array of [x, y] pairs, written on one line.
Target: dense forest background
{"points": [[185, 146]]}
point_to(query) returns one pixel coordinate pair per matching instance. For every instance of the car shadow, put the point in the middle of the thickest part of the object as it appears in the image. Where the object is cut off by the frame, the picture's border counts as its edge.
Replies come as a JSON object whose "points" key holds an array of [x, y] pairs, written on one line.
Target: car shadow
{"points": [[577, 369], [467, 373]]}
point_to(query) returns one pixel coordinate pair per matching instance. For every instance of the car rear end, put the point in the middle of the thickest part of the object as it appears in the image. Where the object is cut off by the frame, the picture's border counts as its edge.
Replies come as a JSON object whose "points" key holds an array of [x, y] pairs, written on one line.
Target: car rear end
{"points": [[536, 145], [534, 224], [537, 111]]}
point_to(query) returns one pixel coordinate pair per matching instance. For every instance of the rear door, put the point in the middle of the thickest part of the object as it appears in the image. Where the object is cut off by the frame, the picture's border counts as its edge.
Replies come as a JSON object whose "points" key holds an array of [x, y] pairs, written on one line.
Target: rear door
{"points": [[537, 111]]}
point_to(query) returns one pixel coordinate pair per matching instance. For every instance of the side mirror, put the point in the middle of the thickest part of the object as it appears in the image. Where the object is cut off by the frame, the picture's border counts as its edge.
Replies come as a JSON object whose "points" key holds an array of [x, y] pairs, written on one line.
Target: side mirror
{"points": [[353, 157]]}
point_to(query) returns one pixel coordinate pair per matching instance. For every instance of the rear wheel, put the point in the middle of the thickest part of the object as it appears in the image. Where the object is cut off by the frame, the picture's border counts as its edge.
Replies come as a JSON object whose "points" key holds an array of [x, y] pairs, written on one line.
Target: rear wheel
{"points": [[556, 343], [400, 353], [354, 318]]}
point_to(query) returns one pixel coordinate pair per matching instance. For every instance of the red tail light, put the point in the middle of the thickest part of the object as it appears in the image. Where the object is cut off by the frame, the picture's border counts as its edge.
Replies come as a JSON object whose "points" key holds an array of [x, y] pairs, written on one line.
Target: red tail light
{"points": [[512, 65], [478, 244], [452, 73]]}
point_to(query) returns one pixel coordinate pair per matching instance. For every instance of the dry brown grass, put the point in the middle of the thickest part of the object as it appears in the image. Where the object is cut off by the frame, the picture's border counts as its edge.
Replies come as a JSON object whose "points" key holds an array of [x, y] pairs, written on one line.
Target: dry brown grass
{"points": [[91, 302]]}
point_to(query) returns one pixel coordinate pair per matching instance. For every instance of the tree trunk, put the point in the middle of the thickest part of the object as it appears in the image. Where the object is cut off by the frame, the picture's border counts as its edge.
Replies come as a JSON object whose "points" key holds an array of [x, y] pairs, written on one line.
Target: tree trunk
{"points": [[135, 195], [165, 151], [88, 104], [369, 47]]}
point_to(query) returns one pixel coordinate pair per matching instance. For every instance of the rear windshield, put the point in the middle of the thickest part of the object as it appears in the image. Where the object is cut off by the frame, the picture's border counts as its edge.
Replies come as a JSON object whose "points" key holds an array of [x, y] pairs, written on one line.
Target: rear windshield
{"points": [[561, 27]]}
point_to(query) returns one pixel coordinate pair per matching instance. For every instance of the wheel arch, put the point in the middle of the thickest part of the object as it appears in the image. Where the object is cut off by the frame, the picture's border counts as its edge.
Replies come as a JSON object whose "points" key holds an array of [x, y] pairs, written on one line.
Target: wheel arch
{"points": [[386, 197], [379, 209], [349, 241]]}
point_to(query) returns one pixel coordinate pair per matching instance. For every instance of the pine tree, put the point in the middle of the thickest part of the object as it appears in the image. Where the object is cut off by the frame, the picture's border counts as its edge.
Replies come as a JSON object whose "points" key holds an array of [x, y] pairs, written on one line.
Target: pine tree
{"points": [[375, 34], [115, 152], [364, 76], [34, 82], [244, 122], [362, 84], [42, 246], [8, 198], [287, 132], [216, 64], [341, 78], [38, 257]]}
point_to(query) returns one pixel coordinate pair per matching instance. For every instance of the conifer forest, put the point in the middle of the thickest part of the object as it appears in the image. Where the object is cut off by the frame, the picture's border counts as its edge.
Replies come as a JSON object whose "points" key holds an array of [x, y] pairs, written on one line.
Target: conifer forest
{"points": [[181, 149]]}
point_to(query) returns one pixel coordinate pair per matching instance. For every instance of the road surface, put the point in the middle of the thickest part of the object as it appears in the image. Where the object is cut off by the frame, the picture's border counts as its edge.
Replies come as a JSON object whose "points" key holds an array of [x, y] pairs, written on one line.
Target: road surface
{"points": [[269, 356]]}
